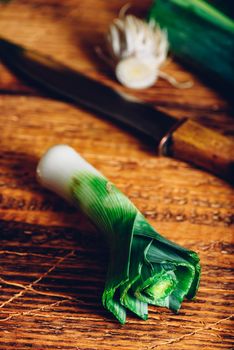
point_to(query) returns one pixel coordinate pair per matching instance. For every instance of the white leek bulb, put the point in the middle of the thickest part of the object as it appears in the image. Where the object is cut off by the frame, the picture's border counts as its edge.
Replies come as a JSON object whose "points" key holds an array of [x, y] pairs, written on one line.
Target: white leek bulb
{"points": [[136, 73], [57, 167], [137, 49]]}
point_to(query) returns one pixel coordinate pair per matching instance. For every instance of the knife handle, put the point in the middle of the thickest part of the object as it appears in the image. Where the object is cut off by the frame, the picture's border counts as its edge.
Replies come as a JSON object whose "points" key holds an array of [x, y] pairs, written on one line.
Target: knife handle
{"points": [[191, 142]]}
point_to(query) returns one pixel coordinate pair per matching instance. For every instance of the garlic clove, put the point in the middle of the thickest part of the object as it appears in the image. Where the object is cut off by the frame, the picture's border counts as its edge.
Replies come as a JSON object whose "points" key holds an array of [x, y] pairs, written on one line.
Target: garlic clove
{"points": [[136, 73]]}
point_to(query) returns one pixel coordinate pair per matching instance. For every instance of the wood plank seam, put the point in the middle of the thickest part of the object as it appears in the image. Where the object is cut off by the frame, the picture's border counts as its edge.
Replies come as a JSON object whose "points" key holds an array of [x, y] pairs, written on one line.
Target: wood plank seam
{"points": [[31, 289], [30, 286], [32, 312], [198, 330]]}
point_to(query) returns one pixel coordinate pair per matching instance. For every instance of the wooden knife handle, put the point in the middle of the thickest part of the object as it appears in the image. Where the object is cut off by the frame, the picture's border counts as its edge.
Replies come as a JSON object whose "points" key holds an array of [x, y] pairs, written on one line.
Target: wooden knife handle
{"points": [[196, 144]]}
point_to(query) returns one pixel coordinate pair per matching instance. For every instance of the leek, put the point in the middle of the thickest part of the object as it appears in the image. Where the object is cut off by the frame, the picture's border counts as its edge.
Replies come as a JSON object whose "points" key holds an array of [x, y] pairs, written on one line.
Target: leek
{"points": [[200, 34], [144, 267]]}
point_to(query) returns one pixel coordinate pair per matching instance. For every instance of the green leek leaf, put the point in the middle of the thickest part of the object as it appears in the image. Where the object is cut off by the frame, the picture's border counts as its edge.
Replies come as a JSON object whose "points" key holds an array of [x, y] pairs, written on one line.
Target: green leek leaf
{"points": [[200, 34]]}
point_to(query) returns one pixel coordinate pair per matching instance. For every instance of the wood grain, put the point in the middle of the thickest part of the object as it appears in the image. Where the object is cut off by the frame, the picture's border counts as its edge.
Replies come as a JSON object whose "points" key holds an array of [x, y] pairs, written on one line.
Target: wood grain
{"points": [[52, 261], [196, 144]]}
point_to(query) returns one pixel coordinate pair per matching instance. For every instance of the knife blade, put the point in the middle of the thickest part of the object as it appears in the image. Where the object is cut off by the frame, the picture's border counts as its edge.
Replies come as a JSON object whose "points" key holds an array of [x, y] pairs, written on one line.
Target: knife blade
{"points": [[85, 91], [184, 139]]}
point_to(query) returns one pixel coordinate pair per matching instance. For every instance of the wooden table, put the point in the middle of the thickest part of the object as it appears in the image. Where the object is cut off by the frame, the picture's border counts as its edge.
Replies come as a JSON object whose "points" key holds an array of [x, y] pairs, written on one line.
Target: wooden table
{"points": [[52, 261]]}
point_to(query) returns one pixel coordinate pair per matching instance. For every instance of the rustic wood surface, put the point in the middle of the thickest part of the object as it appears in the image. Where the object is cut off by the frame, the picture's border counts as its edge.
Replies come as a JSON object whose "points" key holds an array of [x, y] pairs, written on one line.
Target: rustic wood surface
{"points": [[52, 261]]}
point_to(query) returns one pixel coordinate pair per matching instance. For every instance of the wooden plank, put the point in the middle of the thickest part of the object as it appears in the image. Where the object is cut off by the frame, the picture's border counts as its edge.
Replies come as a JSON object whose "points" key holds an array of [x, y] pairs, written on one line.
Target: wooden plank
{"points": [[51, 277]]}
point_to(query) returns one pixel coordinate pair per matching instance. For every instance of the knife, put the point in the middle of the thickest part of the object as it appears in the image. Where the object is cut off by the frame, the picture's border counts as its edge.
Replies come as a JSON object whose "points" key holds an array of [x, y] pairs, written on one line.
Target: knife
{"points": [[185, 139]]}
